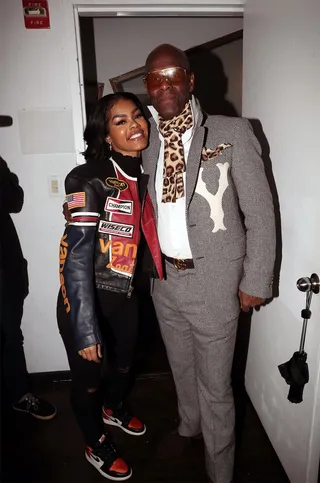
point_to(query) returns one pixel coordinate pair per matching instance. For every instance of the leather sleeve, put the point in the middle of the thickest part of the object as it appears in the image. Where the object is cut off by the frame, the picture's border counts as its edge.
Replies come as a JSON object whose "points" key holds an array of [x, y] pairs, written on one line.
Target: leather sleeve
{"points": [[77, 262]]}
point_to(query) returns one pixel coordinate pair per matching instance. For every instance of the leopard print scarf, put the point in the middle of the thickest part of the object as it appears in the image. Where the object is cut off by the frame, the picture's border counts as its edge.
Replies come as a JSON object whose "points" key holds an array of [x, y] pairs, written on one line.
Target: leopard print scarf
{"points": [[174, 163]]}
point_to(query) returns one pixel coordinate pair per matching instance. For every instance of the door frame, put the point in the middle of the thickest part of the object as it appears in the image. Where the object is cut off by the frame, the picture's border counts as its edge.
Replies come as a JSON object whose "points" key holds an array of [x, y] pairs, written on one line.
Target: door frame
{"points": [[73, 9]]}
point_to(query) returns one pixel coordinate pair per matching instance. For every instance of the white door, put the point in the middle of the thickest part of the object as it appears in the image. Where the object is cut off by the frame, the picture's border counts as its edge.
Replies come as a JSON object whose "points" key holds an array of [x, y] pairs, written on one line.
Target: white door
{"points": [[282, 89]]}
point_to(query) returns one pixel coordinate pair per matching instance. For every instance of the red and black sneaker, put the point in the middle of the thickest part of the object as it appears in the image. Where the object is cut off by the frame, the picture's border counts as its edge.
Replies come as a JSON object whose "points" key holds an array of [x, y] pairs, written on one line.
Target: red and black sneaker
{"points": [[122, 417], [106, 459]]}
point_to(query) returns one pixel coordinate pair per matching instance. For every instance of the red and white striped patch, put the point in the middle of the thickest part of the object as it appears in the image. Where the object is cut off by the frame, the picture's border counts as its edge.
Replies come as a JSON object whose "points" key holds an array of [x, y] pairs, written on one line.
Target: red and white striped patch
{"points": [[85, 218]]}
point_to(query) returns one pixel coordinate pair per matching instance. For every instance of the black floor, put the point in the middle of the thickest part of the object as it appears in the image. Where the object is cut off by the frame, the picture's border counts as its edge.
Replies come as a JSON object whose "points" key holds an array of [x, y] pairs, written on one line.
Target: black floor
{"points": [[53, 451], [39, 452]]}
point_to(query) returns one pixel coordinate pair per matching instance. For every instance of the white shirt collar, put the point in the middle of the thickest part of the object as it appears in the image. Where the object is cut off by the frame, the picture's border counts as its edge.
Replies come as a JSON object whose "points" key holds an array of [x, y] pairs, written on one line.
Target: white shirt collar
{"points": [[195, 109]]}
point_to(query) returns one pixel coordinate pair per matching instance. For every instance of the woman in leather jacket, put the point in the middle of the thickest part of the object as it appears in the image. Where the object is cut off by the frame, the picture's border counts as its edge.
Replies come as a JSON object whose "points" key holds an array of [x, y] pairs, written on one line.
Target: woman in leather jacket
{"points": [[97, 311]]}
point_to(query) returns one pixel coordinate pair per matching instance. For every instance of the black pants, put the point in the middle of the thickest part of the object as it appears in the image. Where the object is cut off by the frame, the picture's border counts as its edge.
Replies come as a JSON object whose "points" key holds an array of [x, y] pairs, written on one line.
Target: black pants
{"points": [[91, 383], [13, 363]]}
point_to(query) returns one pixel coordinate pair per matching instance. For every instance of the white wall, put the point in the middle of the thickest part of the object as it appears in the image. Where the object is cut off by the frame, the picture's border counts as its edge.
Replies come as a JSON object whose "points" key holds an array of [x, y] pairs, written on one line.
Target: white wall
{"points": [[122, 44], [36, 78], [281, 88]]}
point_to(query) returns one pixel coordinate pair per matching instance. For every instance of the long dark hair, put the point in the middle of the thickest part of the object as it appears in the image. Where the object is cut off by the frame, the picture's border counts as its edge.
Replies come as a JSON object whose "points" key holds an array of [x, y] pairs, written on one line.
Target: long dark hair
{"points": [[97, 128]]}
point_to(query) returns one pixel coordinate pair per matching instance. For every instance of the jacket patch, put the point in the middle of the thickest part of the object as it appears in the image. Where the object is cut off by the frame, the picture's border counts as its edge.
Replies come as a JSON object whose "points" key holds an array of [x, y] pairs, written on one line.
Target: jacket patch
{"points": [[115, 205], [123, 255], [86, 218], [117, 183], [215, 201], [76, 200], [119, 229]]}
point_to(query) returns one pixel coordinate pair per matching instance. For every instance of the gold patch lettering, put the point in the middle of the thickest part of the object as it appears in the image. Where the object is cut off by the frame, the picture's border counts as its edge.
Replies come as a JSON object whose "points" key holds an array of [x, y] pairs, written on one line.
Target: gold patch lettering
{"points": [[63, 252], [117, 248], [127, 249], [104, 246]]}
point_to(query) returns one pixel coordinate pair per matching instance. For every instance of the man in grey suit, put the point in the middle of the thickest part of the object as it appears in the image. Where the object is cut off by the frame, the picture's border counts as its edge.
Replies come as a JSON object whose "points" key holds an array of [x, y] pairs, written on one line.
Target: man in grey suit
{"points": [[216, 229]]}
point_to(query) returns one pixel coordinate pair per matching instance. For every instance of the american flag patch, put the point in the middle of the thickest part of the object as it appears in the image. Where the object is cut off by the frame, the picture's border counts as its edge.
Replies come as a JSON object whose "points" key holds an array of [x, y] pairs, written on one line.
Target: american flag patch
{"points": [[76, 200]]}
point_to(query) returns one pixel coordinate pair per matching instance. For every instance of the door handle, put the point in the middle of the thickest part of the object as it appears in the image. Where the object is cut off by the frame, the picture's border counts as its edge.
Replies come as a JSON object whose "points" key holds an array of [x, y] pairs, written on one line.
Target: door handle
{"points": [[312, 284]]}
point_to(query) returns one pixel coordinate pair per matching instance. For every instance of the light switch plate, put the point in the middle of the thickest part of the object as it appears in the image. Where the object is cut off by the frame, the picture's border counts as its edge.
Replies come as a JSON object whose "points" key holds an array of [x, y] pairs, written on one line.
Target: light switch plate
{"points": [[55, 185]]}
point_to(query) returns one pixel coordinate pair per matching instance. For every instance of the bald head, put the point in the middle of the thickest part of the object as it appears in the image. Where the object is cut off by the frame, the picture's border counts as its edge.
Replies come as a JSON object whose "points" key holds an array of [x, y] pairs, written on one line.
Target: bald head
{"points": [[170, 92], [164, 52]]}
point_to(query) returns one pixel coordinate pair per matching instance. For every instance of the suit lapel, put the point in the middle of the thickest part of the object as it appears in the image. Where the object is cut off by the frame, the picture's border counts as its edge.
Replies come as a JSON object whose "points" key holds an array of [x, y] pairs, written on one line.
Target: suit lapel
{"points": [[193, 163], [151, 154], [150, 161]]}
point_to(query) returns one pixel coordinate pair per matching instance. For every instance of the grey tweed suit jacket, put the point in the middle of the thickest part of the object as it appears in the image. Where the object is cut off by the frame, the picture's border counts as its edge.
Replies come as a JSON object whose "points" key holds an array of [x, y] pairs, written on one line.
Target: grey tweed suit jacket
{"points": [[230, 212]]}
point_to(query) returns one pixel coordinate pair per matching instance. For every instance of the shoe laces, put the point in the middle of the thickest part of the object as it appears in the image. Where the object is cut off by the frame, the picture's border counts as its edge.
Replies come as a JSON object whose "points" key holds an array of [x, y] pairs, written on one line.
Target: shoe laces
{"points": [[32, 402], [123, 412], [105, 449]]}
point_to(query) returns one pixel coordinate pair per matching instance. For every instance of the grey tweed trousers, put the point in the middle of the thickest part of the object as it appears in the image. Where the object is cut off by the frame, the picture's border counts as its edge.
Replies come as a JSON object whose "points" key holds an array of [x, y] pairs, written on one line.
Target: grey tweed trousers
{"points": [[200, 352]]}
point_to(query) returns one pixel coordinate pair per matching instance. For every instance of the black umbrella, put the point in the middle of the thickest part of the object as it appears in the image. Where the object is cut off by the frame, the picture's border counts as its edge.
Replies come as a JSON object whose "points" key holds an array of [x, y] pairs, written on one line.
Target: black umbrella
{"points": [[296, 374], [295, 371]]}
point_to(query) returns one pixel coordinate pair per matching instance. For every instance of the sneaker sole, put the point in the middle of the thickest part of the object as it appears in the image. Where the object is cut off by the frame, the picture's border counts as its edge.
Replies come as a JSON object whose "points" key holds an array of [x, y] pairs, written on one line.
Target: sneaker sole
{"points": [[113, 423], [109, 477], [43, 418]]}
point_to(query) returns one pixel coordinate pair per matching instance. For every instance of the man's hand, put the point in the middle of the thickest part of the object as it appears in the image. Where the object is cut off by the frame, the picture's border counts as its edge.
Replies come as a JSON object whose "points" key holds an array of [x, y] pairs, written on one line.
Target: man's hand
{"points": [[92, 353], [248, 301], [66, 213]]}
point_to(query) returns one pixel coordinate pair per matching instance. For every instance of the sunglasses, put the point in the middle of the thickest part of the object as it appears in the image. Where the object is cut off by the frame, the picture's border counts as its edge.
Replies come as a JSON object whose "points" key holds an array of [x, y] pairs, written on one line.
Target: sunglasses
{"points": [[172, 75]]}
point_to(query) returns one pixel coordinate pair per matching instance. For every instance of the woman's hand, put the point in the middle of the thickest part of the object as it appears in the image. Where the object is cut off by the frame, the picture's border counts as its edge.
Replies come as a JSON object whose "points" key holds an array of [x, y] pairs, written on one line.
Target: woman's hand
{"points": [[92, 353]]}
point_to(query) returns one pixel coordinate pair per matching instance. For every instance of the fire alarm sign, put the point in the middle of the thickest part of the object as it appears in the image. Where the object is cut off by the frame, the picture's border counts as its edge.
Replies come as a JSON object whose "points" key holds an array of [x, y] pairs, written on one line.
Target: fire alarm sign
{"points": [[36, 14]]}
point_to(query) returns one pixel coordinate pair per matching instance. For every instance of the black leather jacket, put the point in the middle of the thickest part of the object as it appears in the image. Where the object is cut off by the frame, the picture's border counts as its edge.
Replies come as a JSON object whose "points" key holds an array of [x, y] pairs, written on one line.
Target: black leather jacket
{"points": [[101, 242], [13, 266]]}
